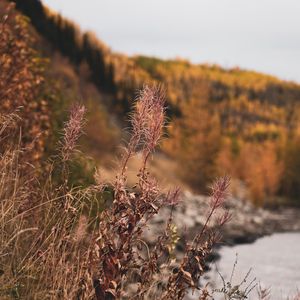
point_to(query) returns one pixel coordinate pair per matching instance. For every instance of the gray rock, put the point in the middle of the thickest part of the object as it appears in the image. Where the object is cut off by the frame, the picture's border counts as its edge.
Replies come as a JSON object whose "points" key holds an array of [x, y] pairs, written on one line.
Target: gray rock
{"points": [[247, 223]]}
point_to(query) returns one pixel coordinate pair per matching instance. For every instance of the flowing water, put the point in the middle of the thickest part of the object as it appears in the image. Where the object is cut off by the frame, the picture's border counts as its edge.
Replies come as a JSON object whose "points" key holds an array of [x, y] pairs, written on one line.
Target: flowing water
{"points": [[274, 260]]}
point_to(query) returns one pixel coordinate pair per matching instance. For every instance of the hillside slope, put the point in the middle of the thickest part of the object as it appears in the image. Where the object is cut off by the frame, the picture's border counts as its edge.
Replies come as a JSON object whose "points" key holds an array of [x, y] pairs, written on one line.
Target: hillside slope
{"points": [[235, 121]]}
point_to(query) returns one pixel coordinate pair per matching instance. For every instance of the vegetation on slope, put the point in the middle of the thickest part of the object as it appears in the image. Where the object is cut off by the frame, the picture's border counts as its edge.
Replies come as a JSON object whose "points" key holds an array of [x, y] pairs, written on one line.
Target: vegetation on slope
{"points": [[42, 85], [21, 82], [220, 119]]}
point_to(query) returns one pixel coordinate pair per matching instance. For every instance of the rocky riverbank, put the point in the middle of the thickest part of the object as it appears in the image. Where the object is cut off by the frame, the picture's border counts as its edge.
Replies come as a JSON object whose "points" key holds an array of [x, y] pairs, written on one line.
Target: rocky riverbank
{"points": [[246, 225]]}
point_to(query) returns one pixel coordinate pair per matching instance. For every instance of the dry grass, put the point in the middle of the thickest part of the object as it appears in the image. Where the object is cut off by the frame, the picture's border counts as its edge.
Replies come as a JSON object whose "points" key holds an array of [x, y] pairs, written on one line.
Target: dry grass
{"points": [[38, 226], [55, 247]]}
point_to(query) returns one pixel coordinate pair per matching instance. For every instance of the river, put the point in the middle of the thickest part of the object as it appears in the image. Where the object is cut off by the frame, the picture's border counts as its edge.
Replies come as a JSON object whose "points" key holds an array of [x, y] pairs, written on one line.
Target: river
{"points": [[274, 260]]}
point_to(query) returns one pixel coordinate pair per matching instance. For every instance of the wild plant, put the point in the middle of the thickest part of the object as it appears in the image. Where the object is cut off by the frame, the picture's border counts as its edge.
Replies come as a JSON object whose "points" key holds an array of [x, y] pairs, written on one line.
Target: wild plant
{"points": [[124, 264], [241, 290], [55, 248]]}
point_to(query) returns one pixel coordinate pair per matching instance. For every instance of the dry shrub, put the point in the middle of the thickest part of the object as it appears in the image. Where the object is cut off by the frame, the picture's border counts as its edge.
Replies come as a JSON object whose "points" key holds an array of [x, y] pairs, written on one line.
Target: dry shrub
{"points": [[57, 249]]}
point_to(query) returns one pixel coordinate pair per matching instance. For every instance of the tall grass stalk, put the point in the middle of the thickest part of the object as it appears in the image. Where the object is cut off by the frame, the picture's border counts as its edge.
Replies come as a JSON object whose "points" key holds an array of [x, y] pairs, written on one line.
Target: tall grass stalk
{"points": [[54, 246]]}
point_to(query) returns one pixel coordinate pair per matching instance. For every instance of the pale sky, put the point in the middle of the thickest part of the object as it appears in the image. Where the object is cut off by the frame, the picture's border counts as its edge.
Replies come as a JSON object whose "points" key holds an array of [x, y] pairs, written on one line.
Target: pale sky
{"points": [[261, 35]]}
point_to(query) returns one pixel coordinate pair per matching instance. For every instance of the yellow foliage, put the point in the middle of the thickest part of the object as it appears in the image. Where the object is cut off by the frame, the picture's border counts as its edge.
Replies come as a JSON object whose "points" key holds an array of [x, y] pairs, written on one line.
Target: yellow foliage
{"points": [[258, 165]]}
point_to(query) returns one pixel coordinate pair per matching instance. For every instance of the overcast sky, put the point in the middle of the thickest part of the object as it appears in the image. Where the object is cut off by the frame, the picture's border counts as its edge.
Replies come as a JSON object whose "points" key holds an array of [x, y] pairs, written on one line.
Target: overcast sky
{"points": [[262, 35]]}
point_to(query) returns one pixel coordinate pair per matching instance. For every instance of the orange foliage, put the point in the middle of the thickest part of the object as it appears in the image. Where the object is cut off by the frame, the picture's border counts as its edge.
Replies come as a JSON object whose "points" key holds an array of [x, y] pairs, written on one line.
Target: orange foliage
{"points": [[261, 169], [20, 81], [194, 142]]}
